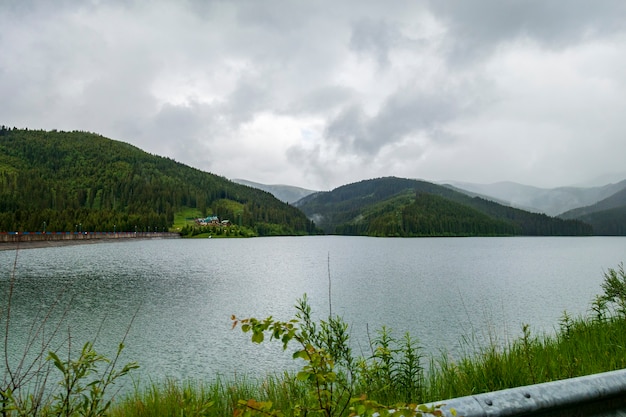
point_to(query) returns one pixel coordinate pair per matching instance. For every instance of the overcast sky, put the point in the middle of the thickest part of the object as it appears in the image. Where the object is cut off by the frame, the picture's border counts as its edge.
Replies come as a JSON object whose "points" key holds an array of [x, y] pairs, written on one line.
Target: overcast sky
{"points": [[321, 93]]}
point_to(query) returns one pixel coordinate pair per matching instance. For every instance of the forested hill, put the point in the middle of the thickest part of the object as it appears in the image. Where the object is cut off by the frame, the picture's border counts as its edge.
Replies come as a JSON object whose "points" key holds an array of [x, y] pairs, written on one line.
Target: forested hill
{"points": [[70, 178], [403, 207], [607, 217]]}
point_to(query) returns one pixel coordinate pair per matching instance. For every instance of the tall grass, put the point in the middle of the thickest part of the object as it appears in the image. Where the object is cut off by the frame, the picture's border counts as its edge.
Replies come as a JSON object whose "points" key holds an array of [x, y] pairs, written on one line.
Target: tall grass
{"points": [[219, 398], [584, 347]]}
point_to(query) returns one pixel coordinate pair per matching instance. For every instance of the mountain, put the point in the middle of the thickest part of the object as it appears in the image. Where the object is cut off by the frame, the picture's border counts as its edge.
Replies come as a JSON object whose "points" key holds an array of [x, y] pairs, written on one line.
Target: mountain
{"points": [[551, 201], [616, 200], [58, 180], [607, 217], [393, 206], [287, 193]]}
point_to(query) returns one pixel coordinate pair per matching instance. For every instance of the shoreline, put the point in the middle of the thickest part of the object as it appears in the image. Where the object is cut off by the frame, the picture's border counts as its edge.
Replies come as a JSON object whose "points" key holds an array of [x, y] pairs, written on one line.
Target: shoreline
{"points": [[36, 244], [21, 243]]}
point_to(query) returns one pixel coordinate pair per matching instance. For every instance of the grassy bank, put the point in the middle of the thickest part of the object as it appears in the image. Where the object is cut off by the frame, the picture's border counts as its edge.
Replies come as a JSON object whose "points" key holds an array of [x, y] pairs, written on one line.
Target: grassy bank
{"points": [[394, 373]]}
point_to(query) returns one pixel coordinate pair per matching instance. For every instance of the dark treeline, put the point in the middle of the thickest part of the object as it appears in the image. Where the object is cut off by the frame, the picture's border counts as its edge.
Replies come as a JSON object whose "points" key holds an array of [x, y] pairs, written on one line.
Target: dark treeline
{"points": [[66, 181], [610, 222], [428, 215], [530, 224]]}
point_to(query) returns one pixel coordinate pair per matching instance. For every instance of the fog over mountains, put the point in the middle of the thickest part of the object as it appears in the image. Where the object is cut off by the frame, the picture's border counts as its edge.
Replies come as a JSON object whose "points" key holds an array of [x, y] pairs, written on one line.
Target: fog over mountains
{"points": [[285, 193], [551, 201]]}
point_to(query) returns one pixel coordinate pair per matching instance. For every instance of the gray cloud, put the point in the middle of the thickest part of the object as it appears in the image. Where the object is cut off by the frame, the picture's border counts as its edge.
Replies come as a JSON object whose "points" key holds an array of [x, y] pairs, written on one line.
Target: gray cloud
{"points": [[476, 28], [376, 38], [319, 94], [327, 98], [403, 114], [248, 99]]}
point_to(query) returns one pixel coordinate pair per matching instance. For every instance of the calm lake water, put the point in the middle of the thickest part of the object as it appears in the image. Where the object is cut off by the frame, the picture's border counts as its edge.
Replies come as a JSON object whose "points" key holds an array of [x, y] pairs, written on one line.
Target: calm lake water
{"points": [[184, 291]]}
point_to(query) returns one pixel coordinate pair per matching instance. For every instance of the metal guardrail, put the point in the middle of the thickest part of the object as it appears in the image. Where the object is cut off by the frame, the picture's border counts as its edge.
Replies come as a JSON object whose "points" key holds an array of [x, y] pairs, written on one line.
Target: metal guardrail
{"points": [[601, 394]]}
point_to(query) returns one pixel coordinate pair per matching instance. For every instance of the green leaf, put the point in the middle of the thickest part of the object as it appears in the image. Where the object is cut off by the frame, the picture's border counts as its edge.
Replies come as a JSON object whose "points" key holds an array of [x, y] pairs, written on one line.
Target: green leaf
{"points": [[303, 376], [302, 354], [57, 361], [258, 337]]}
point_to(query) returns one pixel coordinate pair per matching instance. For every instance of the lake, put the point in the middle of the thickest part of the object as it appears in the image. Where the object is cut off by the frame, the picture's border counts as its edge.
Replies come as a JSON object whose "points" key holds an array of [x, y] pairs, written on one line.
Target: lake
{"points": [[183, 292]]}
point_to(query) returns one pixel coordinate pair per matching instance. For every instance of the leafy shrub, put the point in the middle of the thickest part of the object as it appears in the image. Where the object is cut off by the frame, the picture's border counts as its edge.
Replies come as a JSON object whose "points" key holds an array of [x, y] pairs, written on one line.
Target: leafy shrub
{"points": [[333, 376], [614, 287]]}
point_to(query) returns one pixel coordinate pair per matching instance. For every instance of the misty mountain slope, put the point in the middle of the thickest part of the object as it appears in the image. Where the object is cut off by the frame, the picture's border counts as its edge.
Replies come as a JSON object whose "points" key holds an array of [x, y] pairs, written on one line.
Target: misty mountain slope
{"points": [[286, 193], [486, 197], [616, 200], [551, 201], [607, 217], [392, 206]]}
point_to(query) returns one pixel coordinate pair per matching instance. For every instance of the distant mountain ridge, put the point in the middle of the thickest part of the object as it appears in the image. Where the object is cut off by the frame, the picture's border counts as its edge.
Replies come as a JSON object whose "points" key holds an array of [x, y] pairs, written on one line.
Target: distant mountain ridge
{"points": [[285, 193], [552, 202], [601, 207]]}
